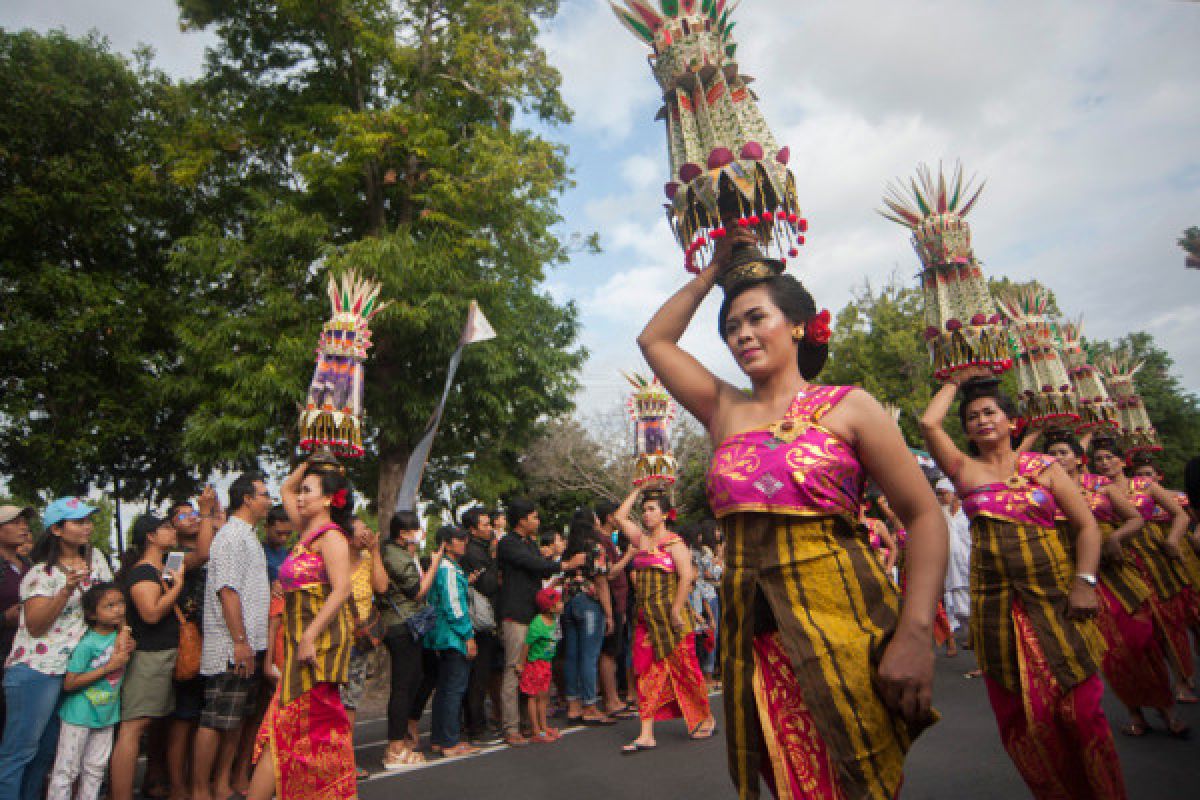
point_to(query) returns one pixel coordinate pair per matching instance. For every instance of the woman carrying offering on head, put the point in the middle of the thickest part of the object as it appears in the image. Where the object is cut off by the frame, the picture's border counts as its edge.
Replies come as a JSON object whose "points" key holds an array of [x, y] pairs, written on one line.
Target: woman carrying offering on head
{"points": [[1155, 553], [1032, 603], [1134, 663], [827, 676], [304, 743], [669, 681]]}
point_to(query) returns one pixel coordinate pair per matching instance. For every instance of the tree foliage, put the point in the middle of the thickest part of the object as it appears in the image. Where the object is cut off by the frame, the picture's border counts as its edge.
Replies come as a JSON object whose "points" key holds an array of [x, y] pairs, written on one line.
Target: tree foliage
{"points": [[365, 134], [575, 462], [87, 219]]}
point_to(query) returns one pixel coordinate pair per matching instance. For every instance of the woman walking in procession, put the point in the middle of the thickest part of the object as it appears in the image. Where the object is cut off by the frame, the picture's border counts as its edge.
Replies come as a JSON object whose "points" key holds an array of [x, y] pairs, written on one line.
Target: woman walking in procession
{"points": [[669, 681], [1032, 605], [1154, 554], [1134, 663], [827, 678], [304, 745]]}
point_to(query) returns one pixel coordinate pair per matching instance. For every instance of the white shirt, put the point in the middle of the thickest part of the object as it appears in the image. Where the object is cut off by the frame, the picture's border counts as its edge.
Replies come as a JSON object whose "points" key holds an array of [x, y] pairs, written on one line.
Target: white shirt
{"points": [[50, 652], [236, 561]]}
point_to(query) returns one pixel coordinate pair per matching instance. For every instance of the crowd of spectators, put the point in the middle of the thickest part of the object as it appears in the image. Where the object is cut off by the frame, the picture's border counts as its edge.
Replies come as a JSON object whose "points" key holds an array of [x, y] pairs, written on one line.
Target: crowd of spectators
{"points": [[177, 653]]}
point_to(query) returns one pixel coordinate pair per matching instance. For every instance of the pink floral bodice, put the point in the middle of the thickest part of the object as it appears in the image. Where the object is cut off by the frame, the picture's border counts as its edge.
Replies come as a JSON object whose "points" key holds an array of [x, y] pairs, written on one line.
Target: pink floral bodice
{"points": [[658, 558], [1019, 499], [1098, 501], [1139, 493], [303, 567], [793, 466]]}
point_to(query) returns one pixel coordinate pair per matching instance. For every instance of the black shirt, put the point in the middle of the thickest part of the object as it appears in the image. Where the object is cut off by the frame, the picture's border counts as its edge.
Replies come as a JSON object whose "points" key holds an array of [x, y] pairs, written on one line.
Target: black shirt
{"points": [[479, 557], [162, 635], [522, 569]]}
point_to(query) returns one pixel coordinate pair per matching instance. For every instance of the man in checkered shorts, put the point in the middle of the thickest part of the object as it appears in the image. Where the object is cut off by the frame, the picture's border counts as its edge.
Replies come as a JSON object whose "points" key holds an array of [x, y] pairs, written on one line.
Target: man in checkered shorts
{"points": [[237, 598]]}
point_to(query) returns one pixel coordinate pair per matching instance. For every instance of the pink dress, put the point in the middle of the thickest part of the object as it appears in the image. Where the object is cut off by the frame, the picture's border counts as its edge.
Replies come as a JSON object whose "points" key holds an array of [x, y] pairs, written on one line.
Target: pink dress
{"points": [[1039, 665], [1133, 663]]}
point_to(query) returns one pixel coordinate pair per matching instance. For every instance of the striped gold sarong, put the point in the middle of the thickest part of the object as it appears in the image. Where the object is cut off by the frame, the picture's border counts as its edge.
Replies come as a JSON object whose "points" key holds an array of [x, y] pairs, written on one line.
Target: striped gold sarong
{"points": [[1121, 577], [655, 591], [817, 583], [1013, 562], [333, 645], [1161, 571]]}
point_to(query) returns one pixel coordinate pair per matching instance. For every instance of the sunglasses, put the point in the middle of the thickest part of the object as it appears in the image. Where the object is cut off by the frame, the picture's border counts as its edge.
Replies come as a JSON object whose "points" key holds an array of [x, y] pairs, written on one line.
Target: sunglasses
{"points": [[183, 516]]}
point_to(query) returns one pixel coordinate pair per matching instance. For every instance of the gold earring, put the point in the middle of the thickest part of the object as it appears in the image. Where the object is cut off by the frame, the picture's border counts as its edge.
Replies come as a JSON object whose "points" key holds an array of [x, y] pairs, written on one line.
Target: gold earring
{"points": [[797, 333]]}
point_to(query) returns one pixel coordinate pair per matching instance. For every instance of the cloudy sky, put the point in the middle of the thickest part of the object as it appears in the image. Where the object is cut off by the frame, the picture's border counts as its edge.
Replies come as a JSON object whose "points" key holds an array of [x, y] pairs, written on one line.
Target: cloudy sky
{"points": [[1083, 116]]}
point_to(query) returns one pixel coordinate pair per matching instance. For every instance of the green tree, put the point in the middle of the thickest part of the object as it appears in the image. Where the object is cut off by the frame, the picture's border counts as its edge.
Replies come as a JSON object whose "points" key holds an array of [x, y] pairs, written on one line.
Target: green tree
{"points": [[378, 136], [1190, 242], [877, 345], [1174, 412], [87, 218]]}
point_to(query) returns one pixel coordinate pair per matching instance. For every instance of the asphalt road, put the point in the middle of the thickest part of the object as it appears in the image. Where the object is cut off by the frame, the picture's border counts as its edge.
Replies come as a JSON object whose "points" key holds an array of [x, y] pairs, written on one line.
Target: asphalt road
{"points": [[961, 757]]}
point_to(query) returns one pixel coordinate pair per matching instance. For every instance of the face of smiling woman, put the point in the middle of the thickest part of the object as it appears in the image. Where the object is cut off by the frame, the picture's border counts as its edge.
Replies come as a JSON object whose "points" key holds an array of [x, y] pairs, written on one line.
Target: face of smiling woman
{"points": [[758, 334], [987, 426]]}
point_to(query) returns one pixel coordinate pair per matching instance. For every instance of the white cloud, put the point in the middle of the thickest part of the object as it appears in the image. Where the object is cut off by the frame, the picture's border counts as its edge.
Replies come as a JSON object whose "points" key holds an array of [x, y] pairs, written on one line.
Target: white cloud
{"points": [[1081, 116], [127, 24]]}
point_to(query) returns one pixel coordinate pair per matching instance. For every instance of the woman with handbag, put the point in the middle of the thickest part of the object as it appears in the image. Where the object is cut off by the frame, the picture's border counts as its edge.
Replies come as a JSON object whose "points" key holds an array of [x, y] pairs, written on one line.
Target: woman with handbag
{"points": [[304, 743], [406, 619], [148, 691]]}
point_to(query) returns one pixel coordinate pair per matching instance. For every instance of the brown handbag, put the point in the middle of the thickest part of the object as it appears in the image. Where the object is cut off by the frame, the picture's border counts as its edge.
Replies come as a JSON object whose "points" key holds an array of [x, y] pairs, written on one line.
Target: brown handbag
{"points": [[187, 661]]}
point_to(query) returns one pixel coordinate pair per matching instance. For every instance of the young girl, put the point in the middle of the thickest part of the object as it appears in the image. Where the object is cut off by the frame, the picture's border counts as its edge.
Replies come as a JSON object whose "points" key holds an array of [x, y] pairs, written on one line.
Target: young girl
{"points": [[91, 706], [534, 665]]}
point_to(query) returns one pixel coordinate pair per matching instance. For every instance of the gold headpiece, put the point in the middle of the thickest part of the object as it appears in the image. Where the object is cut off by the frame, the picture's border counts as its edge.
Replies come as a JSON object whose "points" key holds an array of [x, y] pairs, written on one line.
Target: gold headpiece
{"points": [[748, 263]]}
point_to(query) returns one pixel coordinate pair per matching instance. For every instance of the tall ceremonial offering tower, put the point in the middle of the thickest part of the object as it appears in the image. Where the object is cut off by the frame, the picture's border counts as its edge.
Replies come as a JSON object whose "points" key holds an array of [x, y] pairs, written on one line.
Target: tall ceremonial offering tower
{"points": [[331, 421], [962, 326], [652, 411], [1096, 409], [726, 168], [1047, 399], [1137, 432]]}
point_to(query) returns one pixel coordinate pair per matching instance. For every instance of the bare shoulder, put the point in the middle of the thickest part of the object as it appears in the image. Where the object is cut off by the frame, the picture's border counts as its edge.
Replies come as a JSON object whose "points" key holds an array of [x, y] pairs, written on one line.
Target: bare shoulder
{"points": [[857, 412], [734, 407]]}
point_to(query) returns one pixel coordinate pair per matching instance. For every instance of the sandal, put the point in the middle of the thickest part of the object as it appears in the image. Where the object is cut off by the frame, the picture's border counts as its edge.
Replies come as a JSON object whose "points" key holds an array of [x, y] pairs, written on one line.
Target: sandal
{"points": [[597, 721], [636, 747], [1179, 730], [1135, 729], [703, 732], [1185, 695]]}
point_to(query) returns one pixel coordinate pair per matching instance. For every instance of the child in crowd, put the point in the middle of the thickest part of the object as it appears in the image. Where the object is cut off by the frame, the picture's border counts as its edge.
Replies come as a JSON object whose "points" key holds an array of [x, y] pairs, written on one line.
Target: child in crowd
{"points": [[91, 706], [535, 663]]}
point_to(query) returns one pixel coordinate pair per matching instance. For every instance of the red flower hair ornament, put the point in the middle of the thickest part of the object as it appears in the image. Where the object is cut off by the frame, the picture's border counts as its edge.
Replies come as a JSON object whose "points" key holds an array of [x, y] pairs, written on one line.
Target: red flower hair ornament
{"points": [[339, 498], [672, 516], [816, 330]]}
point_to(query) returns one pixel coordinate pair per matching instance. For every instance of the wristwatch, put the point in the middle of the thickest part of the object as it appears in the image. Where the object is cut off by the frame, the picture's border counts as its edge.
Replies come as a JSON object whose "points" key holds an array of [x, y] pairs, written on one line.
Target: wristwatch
{"points": [[1087, 578]]}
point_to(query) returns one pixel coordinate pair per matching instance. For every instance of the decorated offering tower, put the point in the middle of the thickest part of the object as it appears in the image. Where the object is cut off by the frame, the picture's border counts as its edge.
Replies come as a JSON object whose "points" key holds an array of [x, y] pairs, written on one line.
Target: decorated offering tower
{"points": [[962, 325], [1047, 399], [652, 411], [1096, 408], [726, 168], [1137, 432], [331, 421]]}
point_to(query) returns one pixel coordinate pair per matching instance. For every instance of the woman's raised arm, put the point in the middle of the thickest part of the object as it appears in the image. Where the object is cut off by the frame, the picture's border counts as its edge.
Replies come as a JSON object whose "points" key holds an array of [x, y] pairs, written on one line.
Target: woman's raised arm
{"points": [[688, 381]]}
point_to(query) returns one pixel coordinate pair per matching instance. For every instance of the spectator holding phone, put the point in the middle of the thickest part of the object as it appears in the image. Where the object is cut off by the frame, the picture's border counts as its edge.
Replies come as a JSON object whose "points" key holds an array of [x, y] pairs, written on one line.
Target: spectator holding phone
{"points": [[52, 623], [149, 689]]}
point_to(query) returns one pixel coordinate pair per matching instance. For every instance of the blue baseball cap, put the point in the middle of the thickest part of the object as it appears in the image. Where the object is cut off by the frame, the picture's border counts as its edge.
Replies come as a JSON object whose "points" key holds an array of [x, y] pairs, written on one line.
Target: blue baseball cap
{"points": [[66, 508]]}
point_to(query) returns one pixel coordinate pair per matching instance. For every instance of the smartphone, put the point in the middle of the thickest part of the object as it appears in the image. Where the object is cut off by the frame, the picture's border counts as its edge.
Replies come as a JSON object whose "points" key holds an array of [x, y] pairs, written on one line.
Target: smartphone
{"points": [[174, 562]]}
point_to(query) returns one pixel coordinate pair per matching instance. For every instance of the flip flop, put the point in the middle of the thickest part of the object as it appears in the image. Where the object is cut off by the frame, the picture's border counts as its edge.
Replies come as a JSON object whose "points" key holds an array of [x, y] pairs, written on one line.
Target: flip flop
{"points": [[1135, 729], [597, 722], [1181, 731], [700, 733], [636, 747], [625, 713]]}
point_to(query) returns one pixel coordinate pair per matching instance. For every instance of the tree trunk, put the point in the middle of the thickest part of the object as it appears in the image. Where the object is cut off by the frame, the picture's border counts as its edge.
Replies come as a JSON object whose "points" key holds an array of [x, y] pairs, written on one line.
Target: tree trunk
{"points": [[392, 463]]}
